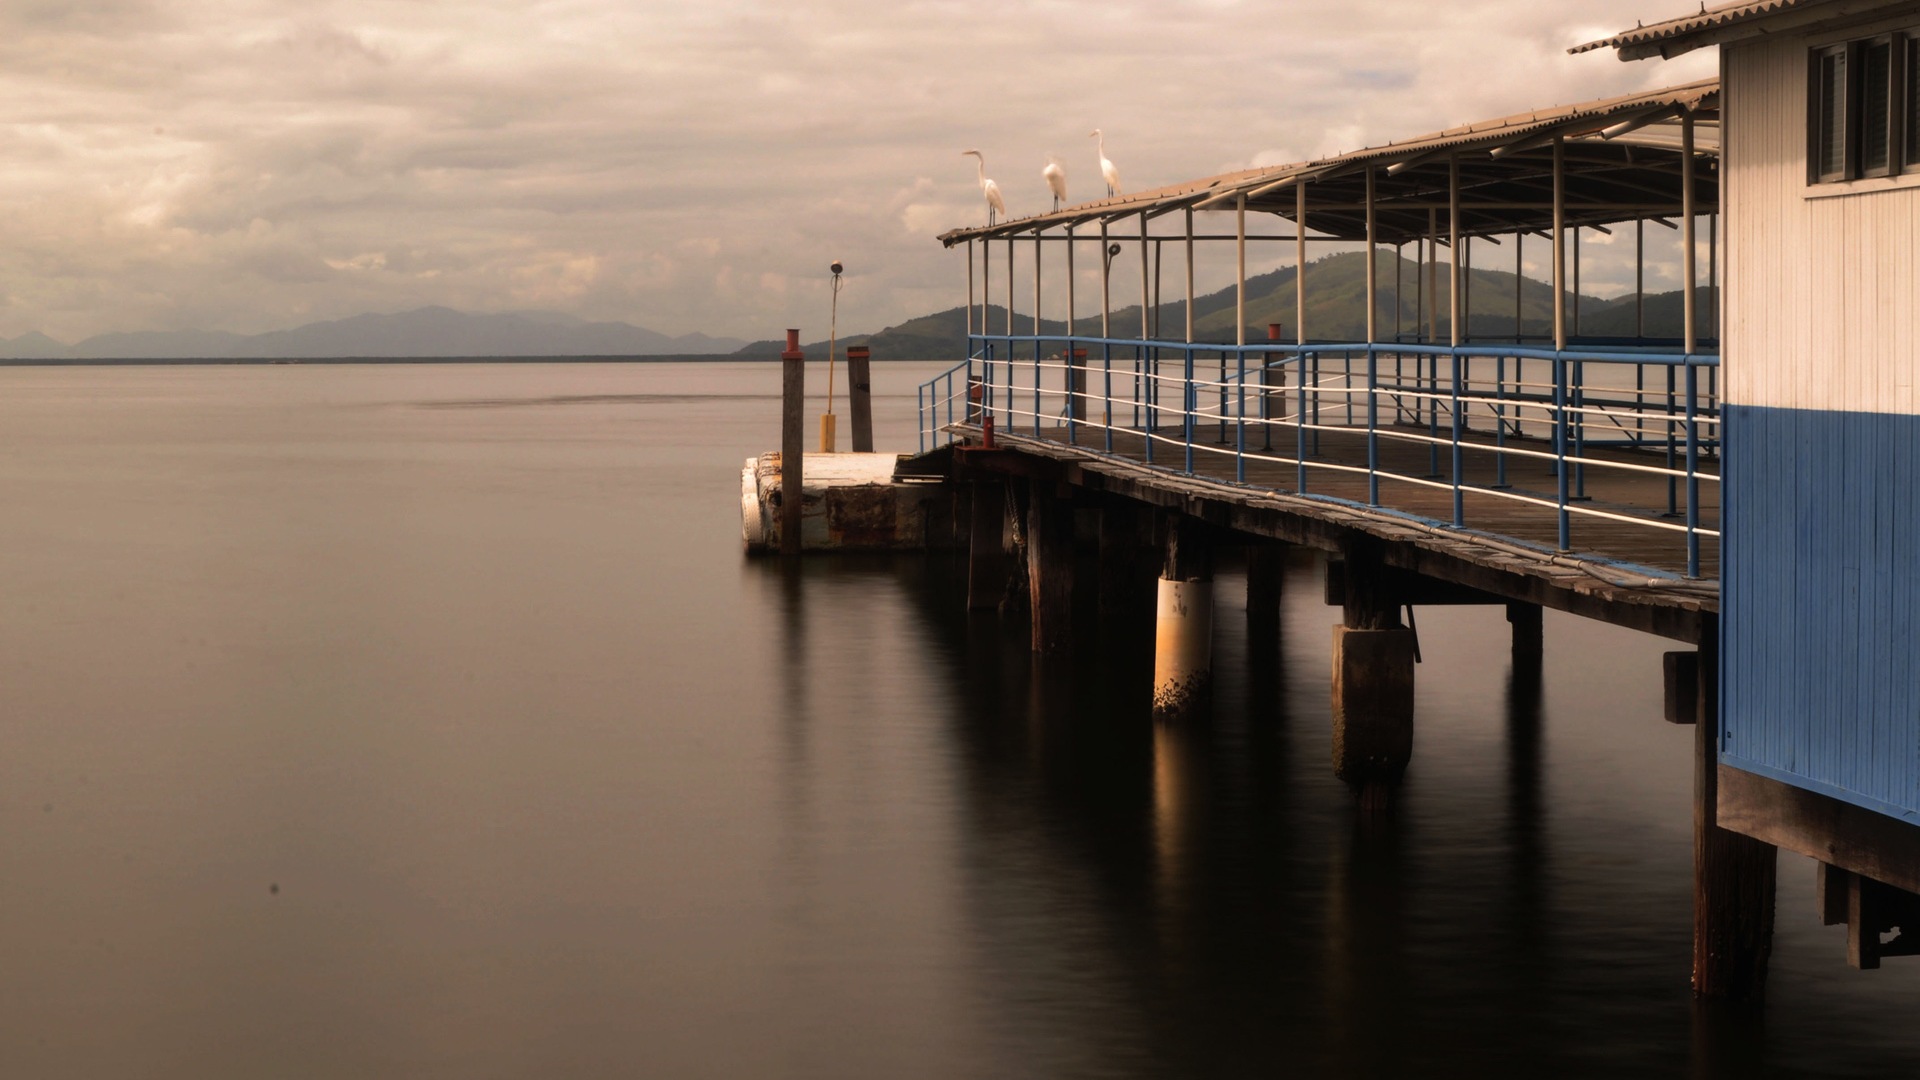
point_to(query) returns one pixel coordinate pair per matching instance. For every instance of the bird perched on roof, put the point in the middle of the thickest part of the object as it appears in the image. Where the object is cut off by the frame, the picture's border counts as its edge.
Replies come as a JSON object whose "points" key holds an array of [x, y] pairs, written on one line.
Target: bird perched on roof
{"points": [[987, 187], [1056, 178], [1108, 171]]}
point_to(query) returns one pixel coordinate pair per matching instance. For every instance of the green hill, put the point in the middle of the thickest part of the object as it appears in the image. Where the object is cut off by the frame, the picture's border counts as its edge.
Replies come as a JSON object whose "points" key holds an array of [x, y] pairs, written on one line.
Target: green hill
{"points": [[1336, 311]]}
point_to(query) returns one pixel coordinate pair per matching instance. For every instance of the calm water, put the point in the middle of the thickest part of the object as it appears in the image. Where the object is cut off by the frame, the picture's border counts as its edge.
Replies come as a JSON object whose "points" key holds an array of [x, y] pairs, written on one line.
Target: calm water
{"points": [[427, 722]]}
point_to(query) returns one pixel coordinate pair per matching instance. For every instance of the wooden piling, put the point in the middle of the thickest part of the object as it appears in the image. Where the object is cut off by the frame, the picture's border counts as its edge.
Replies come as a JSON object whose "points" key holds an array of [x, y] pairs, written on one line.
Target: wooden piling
{"points": [[1050, 566], [988, 562], [1733, 875], [793, 400], [1129, 561], [860, 397], [1373, 657], [1529, 636], [1266, 574]]}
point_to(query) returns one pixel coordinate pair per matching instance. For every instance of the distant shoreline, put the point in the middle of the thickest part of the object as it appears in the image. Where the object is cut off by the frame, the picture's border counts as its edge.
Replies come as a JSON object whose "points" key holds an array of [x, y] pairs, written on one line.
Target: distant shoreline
{"points": [[237, 361]]}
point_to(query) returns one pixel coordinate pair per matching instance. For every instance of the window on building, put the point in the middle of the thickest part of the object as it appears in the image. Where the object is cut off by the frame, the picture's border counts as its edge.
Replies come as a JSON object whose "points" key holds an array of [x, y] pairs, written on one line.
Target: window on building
{"points": [[1863, 108], [1912, 104]]}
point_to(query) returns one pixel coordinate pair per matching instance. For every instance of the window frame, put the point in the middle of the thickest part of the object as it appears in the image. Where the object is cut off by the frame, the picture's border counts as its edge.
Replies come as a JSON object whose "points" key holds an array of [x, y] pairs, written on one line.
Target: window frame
{"points": [[1903, 102], [1909, 60], [1895, 118], [1818, 134]]}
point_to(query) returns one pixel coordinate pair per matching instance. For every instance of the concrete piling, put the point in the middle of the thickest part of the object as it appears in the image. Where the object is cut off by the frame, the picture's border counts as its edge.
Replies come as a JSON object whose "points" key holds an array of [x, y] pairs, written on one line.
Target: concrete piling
{"points": [[1183, 624], [1373, 657]]}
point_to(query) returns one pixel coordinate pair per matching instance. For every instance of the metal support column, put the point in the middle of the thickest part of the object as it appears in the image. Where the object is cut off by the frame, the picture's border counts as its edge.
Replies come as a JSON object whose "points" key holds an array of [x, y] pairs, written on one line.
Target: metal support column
{"points": [[1373, 337], [1455, 313], [1560, 335]]}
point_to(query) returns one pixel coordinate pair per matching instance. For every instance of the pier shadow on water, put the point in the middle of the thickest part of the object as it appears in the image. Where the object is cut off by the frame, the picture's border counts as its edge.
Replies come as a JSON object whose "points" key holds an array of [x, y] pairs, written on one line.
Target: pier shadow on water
{"points": [[1205, 898]]}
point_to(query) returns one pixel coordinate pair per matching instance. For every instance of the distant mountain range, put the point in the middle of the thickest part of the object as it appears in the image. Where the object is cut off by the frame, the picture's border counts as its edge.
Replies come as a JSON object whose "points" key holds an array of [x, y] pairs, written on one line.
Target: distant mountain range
{"points": [[1336, 311], [424, 332]]}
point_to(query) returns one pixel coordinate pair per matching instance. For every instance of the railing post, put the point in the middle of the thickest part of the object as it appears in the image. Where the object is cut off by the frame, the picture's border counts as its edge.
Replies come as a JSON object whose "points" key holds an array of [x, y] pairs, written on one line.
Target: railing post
{"points": [[1190, 400], [1373, 426], [1316, 404], [1459, 499], [1560, 448], [1693, 476], [920, 414], [1499, 423], [1300, 429], [1038, 409], [1223, 395], [1433, 414], [1106, 413], [1579, 429], [1240, 421], [1072, 372], [1144, 402], [1673, 483]]}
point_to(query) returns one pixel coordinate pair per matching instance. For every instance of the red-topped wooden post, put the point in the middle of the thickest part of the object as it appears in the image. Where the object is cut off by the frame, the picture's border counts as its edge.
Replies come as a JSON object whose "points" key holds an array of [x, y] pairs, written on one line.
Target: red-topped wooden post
{"points": [[1266, 393], [793, 400], [860, 397]]}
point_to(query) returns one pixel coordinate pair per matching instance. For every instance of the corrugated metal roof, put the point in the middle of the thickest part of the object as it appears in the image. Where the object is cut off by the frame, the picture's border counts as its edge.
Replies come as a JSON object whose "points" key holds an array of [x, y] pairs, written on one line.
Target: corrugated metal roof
{"points": [[1584, 121], [1725, 23]]}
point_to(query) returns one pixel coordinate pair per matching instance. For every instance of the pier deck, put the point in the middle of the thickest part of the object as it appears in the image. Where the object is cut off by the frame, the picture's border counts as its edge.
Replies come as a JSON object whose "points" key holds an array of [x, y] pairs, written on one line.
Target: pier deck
{"points": [[1506, 548]]}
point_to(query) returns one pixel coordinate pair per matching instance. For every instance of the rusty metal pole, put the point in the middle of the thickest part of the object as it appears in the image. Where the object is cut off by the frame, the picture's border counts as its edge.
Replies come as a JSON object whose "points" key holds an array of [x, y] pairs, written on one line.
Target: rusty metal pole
{"points": [[793, 402]]}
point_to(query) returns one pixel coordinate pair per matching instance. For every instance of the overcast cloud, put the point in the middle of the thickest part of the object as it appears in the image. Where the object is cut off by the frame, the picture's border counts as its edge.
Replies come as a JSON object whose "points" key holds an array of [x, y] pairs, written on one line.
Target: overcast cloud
{"points": [[247, 165]]}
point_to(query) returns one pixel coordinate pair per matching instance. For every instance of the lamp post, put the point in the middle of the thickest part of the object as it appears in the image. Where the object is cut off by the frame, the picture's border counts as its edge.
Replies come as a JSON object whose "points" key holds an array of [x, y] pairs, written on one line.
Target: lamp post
{"points": [[826, 419]]}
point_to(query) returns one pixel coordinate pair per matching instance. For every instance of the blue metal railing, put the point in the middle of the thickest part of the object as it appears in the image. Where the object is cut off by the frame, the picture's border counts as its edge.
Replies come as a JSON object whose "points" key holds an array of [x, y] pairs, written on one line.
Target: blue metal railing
{"points": [[1540, 404]]}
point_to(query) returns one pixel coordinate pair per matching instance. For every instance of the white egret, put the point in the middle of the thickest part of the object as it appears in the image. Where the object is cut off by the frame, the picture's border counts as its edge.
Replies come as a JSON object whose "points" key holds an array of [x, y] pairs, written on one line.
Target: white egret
{"points": [[987, 187], [1056, 178], [1108, 171]]}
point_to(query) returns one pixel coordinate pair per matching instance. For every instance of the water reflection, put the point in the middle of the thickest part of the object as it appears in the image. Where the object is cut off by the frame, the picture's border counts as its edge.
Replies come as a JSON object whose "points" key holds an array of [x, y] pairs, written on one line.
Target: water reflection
{"points": [[555, 784]]}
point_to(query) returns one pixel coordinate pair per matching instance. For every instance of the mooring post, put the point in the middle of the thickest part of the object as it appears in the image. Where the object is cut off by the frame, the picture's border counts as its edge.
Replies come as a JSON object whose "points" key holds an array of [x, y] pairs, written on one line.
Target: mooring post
{"points": [[1129, 563], [1372, 679], [1529, 637], [793, 400], [860, 397], [988, 563], [1266, 573], [1050, 565], [1733, 875], [1183, 623]]}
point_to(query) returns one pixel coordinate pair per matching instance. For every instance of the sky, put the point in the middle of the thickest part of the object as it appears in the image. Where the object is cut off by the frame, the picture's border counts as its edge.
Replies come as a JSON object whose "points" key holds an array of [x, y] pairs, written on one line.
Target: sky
{"points": [[246, 165]]}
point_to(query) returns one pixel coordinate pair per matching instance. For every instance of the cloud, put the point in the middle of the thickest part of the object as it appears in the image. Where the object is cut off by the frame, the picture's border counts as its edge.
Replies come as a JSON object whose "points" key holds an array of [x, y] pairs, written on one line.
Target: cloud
{"points": [[249, 165]]}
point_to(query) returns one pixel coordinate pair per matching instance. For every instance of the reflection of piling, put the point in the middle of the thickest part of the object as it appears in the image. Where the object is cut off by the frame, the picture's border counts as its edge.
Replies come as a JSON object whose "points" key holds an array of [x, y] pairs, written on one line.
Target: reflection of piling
{"points": [[860, 397], [793, 400]]}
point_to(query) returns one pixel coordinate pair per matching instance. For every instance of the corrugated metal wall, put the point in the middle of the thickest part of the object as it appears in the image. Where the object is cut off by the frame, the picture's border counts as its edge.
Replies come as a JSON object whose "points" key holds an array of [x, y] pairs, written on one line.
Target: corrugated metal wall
{"points": [[1821, 556]]}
